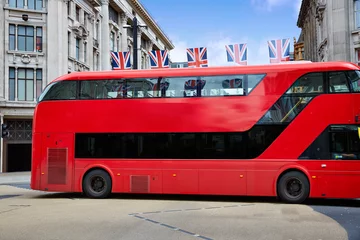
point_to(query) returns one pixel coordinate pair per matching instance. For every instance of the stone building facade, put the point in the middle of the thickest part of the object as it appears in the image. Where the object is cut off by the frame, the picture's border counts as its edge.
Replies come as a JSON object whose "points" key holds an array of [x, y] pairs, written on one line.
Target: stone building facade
{"points": [[44, 39], [330, 30]]}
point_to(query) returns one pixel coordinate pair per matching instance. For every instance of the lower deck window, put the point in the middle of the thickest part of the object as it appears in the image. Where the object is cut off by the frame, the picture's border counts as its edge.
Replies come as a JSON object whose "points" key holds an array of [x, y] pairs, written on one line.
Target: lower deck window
{"points": [[240, 145], [335, 142]]}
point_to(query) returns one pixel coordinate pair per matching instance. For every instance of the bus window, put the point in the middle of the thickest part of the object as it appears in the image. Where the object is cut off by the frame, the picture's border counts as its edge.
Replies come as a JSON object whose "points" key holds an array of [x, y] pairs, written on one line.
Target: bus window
{"points": [[309, 83], [62, 90], [338, 82], [355, 80]]}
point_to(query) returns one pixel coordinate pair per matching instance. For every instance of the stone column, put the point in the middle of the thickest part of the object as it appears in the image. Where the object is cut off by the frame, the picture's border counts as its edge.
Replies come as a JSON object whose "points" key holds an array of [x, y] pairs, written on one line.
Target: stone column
{"points": [[139, 47], [124, 45], [105, 38]]}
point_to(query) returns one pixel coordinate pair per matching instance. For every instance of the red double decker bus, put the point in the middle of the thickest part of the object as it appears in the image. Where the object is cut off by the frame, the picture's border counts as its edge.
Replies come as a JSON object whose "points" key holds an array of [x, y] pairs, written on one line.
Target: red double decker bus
{"points": [[286, 130]]}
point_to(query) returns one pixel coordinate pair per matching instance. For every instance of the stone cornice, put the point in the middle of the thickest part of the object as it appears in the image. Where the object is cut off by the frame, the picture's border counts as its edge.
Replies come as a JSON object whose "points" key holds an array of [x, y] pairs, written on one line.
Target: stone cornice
{"points": [[154, 26], [303, 12]]}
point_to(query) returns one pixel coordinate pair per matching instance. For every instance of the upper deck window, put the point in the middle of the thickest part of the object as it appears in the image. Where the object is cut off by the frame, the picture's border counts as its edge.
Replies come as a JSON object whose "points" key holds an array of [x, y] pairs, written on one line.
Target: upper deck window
{"points": [[309, 83], [62, 90], [232, 85], [338, 82]]}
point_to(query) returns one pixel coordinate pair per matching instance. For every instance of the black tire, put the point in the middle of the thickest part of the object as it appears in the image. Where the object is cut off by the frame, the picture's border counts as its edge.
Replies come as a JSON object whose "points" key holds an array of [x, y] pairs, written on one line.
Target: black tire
{"points": [[97, 184], [293, 187]]}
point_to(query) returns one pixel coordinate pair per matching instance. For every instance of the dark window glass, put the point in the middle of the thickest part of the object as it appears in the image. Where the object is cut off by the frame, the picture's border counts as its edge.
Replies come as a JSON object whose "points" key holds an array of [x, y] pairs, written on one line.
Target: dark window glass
{"points": [[335, 142], [77, 49], [355, 80], [62, 90], [319, 149], [309, 83], [38, 82], [345, 142], [338, 82], [11, 37], [285, 109], [39, 34], [77, 13], [12, 84], [113, 15], [243, 145], [131, 88]]}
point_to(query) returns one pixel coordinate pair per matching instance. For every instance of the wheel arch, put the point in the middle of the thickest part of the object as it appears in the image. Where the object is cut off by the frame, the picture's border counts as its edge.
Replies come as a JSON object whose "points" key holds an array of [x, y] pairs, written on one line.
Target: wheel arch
{"points": [[97, 167], [292, 168]]}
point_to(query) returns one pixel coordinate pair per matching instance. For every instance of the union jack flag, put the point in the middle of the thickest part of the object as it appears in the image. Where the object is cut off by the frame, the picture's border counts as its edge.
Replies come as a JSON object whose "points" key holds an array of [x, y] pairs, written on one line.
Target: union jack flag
{"points": [[163, 85], [279, 50], [232, 83], [197, 57], [159, 59], [192, 84], [121, 89], [120, 60], [237, 53]]}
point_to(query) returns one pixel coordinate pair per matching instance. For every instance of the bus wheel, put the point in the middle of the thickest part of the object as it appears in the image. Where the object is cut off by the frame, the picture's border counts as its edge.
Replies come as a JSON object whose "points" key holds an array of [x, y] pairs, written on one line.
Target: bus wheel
{"points": [[97, 184], [293, 187]]}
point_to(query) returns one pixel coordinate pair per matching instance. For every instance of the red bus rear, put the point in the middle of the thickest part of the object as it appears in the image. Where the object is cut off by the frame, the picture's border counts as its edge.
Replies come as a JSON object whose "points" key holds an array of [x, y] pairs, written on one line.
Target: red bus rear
{"points": [[287, 130]]}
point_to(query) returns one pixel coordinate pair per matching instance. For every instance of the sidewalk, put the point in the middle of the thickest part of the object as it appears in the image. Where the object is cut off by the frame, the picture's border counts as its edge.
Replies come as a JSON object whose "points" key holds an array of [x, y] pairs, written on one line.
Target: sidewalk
{"points": [[15, 177]]}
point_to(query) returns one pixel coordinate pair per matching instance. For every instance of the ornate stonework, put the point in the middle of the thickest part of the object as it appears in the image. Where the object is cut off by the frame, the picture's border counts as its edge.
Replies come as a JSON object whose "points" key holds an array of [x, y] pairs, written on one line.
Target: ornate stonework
{"points": [[80, 31]]}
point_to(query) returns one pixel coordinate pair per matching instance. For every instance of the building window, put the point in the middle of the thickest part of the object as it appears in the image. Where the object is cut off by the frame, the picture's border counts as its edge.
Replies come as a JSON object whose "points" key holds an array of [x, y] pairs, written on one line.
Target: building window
{"points": [[77, 49], [28, 80], [357, 13], [12, 37], [35, 4], [69, 9], [357, 53], [112, 41], [78, 13], [69, 44], [25, 84], [85, 53], [25, 36], [38, 82], [39, 34], [85, 19], [113, 15], [11, 84], [16, 3]]}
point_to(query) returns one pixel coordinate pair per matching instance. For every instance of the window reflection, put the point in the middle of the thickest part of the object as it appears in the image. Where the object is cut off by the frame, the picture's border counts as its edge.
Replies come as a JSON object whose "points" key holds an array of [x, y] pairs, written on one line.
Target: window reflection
{"points": [[236, 145], [285, 109], [338, 82]]}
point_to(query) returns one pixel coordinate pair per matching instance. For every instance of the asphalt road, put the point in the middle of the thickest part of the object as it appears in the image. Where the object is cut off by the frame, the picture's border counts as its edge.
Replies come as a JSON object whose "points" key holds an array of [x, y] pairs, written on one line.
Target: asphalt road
{"points": [[26, 214]]}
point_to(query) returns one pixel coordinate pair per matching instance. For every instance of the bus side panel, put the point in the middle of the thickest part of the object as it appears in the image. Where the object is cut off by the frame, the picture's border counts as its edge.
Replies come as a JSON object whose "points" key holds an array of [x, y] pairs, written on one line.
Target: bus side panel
{"points": [[57, 163], [35, 161]]}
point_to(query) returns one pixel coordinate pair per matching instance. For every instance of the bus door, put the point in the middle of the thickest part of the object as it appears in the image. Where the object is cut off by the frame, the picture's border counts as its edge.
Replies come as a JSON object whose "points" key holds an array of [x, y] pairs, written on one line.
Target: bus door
{"points": [[57, 162]]}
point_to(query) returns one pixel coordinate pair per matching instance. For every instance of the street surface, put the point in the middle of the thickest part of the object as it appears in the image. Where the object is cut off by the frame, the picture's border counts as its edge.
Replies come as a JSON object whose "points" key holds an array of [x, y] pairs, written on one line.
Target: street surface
{"points": [[35, 215]]}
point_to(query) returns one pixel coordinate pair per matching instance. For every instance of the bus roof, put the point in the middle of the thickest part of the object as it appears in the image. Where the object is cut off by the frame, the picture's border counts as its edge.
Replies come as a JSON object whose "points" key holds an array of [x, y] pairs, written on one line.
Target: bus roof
{"points": [[209, 71]]}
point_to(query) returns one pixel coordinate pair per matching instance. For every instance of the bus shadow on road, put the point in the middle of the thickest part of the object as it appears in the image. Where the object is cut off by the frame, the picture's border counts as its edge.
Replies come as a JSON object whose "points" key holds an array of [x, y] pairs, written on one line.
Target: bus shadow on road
{"points": [[205, 198]]}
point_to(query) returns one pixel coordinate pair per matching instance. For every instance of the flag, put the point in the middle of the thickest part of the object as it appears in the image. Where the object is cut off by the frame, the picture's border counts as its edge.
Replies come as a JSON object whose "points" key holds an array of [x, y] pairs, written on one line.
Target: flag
{"points": [[237, 53], [279, 50], [120, 60], [159, 59], [197, 57]]}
